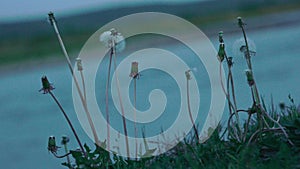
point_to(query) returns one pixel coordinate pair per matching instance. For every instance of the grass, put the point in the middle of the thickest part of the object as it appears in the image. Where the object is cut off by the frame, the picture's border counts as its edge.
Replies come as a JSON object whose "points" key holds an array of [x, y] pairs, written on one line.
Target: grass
{"points": [[268, 139], [270, 150]]}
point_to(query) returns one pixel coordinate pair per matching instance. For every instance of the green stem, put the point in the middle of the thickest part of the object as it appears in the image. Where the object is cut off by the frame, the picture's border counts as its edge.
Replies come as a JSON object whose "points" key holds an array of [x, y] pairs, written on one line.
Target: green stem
{"points": [[68, 158], [69, 122]]}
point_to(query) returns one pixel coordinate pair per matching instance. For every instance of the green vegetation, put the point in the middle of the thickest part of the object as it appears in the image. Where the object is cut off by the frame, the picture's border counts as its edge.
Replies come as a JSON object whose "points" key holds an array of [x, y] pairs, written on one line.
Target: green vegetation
{"points": [[269, 138], [269, 150]]}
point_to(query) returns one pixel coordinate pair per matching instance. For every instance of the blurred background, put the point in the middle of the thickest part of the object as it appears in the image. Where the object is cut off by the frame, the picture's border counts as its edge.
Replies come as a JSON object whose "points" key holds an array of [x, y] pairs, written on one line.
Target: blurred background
{"points": [[29, 49]]}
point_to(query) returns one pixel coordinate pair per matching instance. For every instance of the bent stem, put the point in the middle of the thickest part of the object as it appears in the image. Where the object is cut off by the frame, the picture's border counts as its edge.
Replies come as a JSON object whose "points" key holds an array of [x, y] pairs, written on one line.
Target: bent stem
{"points": [[235, 132], [261, 131], [231, 106], [279, 125], [83, 101], [69, 122], [230, 84], [63, 156]]}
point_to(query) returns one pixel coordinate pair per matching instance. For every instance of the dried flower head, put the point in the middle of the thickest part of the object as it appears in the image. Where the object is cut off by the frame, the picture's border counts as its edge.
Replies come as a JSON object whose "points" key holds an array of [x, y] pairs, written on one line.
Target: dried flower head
{"points": [[52, 144], [221, 36], [51, 18], [240, 21], [230, 61], [79, 64], [47, 86], [134, 70], [188, 75]]}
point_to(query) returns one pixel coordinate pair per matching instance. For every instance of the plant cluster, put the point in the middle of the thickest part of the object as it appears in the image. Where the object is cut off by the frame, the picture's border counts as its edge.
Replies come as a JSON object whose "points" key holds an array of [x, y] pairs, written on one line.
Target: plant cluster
{"points": [[267, 139]]}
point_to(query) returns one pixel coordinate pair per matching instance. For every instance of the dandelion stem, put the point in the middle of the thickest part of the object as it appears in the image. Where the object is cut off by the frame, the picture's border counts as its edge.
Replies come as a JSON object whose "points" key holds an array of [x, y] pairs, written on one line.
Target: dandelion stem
{"points": [[69, 122], [121, 103], [135, 128], [189, 109], [53, 23], [262, 131], [83, 85], [229, 103], [63, 156], [248, 60], [255, 94], [67, 155], [107, 100], [247, 127]]}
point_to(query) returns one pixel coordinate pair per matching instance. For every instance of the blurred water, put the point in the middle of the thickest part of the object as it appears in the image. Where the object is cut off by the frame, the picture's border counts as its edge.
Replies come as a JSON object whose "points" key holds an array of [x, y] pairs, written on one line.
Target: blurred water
{"points": [[29, 117]]}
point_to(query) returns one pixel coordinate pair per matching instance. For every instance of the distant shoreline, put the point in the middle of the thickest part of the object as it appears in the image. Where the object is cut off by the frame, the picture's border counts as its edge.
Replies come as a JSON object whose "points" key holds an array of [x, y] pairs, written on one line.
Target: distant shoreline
{"points": [[279, 20]]}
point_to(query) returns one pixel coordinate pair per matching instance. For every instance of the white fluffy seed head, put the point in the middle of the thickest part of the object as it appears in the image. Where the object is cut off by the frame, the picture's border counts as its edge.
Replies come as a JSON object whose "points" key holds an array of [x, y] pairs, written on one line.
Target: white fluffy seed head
{"points": [[112, 38], [239, 46]]}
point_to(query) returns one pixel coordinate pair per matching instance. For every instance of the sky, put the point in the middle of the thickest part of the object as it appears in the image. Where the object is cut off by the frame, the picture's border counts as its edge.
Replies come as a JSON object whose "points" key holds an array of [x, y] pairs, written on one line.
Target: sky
{"points": [[15, 10]]}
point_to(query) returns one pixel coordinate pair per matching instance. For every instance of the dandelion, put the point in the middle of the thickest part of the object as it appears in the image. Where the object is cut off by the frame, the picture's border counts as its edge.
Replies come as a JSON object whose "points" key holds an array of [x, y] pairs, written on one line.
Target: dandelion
{"points": [[52, 145], [134, 70], [239, 47], [188, 75], [261, 113], [112, 40], [240, 22], [188, 78], [135, 74], [82, 97], [79, 64], [47, 86], [65, 140], [80, 69], [47, 89], [232, 106], [221, 52]]}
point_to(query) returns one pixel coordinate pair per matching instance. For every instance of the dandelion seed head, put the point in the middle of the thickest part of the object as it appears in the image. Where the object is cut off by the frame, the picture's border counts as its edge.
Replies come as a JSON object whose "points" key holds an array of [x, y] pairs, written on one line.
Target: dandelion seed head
{"points": [[111, 38], [105, 38], [239, 47]]}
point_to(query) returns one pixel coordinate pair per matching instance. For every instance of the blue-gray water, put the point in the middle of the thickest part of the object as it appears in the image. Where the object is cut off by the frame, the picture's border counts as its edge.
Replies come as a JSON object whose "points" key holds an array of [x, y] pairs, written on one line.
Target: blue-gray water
{"points": [[28, 117]]}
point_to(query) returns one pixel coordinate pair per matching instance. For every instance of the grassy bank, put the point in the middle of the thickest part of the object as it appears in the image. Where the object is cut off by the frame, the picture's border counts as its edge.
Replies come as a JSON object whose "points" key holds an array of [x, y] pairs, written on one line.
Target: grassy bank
{"points": [[268, 150]]}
